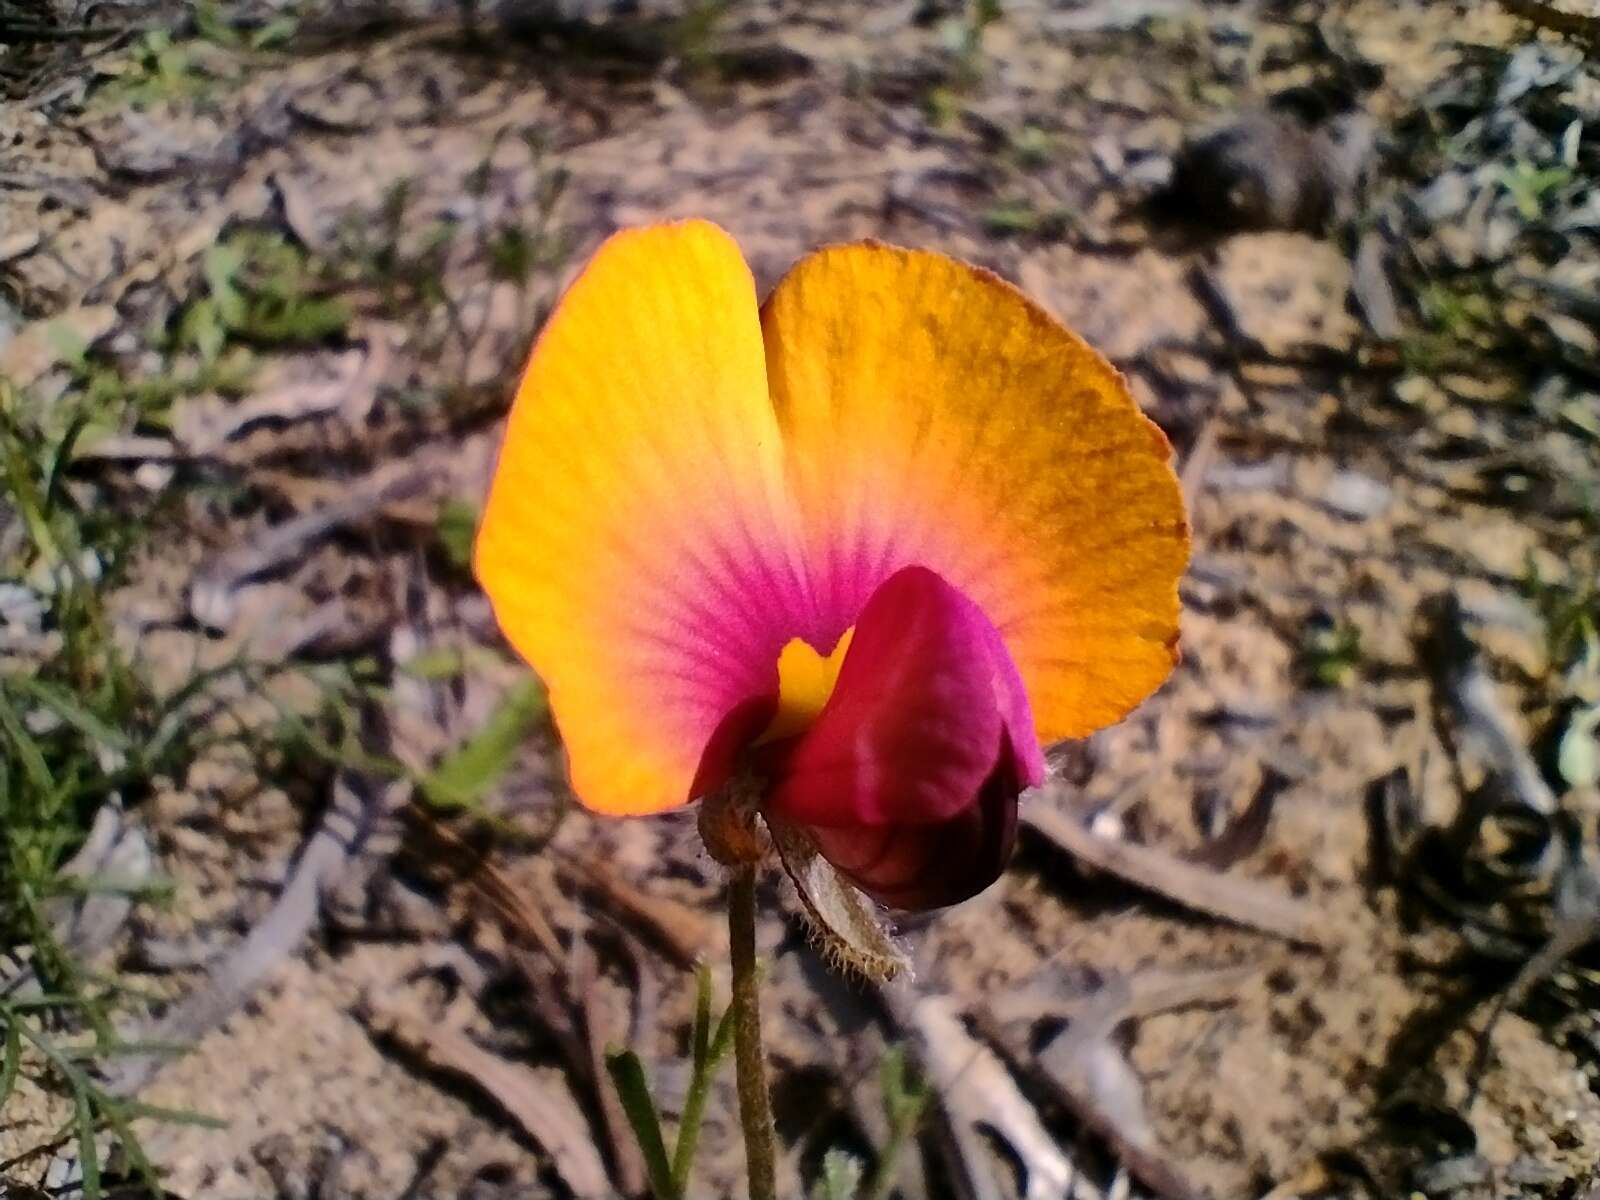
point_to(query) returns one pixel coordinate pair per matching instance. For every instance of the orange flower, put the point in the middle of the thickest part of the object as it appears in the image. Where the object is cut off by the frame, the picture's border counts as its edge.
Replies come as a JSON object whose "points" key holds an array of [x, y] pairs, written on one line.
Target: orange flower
{"points": [[879, 537]]}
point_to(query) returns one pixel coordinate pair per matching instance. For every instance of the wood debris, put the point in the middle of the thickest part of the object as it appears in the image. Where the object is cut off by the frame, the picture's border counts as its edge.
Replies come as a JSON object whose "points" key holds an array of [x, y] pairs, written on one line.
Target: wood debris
{"points": [[1484, 727], [1241, 901], [975, 1091], [1092, 1075], [113, 863], [539, 1102], [212, 596], [358, 804], [684, 933]]}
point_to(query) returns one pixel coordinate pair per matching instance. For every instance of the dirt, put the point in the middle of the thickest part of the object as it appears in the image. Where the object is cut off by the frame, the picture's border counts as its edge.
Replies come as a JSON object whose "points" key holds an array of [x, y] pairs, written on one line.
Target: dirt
{"points": [[1329, 502]]}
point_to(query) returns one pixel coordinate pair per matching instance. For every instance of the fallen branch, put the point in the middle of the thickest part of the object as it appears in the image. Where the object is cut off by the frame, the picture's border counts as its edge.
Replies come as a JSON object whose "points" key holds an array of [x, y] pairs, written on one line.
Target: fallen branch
{"points": [[1240, 901]]}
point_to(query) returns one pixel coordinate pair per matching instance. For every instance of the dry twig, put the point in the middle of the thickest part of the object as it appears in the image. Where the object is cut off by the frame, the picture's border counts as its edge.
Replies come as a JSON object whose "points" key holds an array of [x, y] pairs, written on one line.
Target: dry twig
{"points": [[1241, 901], [211, 597], [539, 1103], [976, 1091], [604, 1027], [359, 804], [1484, 726], [1092, 1076]]}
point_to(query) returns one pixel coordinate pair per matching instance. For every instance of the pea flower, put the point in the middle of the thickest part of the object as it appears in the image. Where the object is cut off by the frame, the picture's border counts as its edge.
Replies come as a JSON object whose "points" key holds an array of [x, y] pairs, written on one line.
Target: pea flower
{"points": [[874, 540]]}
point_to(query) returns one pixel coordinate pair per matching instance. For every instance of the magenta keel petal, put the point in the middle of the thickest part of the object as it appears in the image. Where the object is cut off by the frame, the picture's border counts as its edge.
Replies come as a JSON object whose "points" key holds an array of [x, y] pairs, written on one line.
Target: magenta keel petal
{"points": [[926, 705], [918, 867]]}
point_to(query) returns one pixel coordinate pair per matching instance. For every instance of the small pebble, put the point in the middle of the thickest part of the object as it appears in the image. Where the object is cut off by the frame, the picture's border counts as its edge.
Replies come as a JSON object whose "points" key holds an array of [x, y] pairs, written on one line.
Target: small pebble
{"points": [[1451, 1174]]}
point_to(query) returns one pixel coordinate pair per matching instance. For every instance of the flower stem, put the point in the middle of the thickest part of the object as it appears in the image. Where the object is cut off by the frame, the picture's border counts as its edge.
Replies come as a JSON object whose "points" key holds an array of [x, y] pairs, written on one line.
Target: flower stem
{"points": [[755, 1106]]}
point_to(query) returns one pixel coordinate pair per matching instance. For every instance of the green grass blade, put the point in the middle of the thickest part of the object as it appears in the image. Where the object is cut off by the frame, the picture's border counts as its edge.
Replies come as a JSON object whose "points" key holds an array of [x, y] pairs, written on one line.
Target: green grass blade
{"points": [[25, 747], [627, 1074], [11, 1060], [700, 1042], [66, 706], [709, 1051], [722, 1040], [88, 1152], [132, 1109], [61, 459], [464, 777]]}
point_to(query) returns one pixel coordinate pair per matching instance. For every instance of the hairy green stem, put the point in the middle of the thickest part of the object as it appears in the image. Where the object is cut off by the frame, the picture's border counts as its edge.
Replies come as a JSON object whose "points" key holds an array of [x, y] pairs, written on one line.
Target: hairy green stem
{"points": [[755, 1105]]}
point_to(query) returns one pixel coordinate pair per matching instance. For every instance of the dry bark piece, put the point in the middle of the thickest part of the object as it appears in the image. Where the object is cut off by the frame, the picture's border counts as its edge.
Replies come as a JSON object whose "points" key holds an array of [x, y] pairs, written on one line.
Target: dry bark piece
{"points": [[307, 388], [539, 1102], [114, 858], [1241, 901]]}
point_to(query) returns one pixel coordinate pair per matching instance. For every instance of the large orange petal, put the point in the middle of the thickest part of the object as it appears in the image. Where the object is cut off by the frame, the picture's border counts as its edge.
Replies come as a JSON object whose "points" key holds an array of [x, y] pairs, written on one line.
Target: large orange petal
{"points": [[636, 544], [933, 415]]}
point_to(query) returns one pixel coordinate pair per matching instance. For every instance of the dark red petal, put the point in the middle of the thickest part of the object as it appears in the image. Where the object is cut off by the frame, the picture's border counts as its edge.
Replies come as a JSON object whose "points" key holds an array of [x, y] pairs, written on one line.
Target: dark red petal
{"points": [[733, 734], [917, 867], [927, 705]]}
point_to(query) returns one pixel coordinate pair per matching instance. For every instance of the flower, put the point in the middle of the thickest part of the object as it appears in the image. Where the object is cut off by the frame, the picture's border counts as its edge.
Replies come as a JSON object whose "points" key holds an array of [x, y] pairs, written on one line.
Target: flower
{"points": [[875, 539]]}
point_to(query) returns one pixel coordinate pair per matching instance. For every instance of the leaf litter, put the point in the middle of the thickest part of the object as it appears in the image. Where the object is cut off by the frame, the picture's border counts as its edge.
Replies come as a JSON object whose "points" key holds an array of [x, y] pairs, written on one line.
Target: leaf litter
{"points": [[411, 200]]}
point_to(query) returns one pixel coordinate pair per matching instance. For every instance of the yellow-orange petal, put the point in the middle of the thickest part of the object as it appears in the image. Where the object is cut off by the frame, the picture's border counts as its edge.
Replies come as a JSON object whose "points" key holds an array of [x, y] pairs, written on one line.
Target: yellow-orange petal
{"points": [[637, 543], [932, 415]]}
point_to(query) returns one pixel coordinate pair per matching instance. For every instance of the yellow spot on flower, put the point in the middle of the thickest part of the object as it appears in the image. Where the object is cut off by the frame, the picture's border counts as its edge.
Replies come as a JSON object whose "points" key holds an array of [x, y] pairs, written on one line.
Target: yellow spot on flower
{"points": [[805, 681]]}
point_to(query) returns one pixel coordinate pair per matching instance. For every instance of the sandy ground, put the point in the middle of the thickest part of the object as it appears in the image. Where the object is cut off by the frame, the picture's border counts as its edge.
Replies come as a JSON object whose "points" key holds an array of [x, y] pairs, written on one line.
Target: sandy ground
{"points": [[1322, 501]]}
